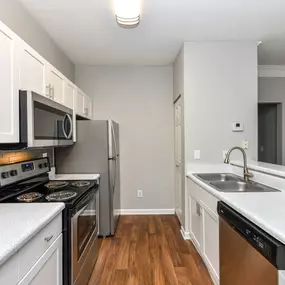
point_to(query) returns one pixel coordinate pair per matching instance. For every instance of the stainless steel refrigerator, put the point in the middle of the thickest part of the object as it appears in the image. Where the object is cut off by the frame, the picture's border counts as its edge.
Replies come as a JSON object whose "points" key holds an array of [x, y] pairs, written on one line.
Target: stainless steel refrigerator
{"points": [[97, 150]]}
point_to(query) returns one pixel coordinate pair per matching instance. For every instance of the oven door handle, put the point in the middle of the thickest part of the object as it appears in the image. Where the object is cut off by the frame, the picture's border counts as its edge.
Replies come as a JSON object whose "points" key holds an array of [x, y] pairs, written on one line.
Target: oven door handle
{"points": [[67, 117], [79, 212]]}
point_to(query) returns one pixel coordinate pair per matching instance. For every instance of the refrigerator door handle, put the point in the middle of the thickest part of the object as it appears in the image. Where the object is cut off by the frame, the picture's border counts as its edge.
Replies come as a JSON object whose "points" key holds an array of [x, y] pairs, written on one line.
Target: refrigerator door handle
{"points": [[114, 139]]}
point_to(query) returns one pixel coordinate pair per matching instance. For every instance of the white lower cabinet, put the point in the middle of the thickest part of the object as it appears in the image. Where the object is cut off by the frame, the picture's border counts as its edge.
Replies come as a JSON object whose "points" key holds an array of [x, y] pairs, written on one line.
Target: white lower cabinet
{"points": [[204, 226], [39, 262], [196, 222], [211, 243], [48, 269]]}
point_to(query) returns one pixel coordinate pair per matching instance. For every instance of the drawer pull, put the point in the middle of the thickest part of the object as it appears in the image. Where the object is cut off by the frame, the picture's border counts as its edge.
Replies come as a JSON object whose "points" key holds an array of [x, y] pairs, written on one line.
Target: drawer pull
{"points": [[47, 239]]}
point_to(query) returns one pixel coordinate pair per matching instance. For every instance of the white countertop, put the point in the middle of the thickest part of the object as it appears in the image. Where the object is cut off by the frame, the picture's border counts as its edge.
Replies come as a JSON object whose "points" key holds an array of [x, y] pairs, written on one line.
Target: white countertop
{"points": [[74, 176], [266, 210], [20, 222]]}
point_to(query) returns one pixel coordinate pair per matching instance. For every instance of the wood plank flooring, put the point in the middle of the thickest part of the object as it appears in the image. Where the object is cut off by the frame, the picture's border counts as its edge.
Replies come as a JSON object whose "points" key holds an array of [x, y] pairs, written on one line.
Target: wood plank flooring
{"points": [[149, 250]]}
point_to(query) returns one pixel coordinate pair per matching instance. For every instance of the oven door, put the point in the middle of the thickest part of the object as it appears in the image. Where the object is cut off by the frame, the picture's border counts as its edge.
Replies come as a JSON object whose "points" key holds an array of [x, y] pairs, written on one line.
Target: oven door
{"points": [[84, 230], [44, 122]]}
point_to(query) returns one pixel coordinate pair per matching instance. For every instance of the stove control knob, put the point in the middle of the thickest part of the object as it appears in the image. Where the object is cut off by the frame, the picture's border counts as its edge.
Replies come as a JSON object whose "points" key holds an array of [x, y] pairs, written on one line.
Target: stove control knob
{"points": [[5, 175], [14, 172], [41, 165]]}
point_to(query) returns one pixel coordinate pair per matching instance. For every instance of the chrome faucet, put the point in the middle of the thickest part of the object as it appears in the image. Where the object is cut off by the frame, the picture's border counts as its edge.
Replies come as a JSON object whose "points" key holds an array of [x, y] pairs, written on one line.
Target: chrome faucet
{"points": [[246, 174]]}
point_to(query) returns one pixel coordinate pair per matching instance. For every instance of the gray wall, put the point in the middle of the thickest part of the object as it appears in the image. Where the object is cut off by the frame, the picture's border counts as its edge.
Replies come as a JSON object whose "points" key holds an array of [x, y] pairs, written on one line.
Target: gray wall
{"points": [[272, 90], [140, 99], [19, 20], [220, 88]]}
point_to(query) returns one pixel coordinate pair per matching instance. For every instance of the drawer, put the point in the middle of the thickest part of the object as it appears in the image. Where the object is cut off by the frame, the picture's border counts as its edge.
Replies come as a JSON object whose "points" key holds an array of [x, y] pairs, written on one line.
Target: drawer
{"points": [[37, 246], [9, 271], [207, 200]]}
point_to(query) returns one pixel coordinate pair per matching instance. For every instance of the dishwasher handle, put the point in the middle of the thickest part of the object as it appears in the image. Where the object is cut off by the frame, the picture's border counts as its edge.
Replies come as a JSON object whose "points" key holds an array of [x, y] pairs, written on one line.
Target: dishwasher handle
{"points": [[272, 249]]}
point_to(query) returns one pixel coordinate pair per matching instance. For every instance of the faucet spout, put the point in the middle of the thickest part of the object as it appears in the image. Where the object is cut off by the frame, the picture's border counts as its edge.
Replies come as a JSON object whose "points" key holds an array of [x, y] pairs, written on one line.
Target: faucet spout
{"points": [[246, 173]]}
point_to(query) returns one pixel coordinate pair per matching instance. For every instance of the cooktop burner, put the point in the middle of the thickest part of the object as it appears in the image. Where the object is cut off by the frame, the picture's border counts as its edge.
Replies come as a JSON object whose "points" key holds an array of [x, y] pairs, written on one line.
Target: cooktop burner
{"points": [[30, 197], [56, 184], [80, 184], [61, 196]]}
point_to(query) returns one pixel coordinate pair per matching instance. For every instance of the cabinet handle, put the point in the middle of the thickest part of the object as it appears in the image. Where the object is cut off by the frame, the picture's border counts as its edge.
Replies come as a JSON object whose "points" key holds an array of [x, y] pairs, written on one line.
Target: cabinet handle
{"points": [[47, 239], [52, 92], [48, 87], [198, 209]]}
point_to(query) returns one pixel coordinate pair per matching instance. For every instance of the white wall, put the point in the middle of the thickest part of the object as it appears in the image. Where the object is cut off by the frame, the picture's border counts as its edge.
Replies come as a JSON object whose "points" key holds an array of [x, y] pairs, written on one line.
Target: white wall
{"points": [[140, 99], [19, 20], [272, 90], [220, 87]]}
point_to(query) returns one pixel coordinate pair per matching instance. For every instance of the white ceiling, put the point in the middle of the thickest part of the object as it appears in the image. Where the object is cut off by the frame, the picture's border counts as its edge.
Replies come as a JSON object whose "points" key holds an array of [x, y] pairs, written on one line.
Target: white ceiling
{"points": [[87, 32]]}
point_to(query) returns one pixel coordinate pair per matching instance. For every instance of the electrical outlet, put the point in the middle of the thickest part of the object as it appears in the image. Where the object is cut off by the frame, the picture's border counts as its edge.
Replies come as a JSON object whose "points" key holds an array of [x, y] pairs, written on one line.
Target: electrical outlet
{"points": [[197, 154], [140, 193], [45, 154], [245, 144]]}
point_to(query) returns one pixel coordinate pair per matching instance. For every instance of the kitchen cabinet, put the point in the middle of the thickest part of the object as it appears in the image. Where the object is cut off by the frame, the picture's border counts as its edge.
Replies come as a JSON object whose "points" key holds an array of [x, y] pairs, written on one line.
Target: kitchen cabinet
{"points": [[55, 84], [39, 261], [196, 222], [48, 269], [83, 104], [9, 86], [87, 107], [69, 94], [204, 226], [32, 69]]}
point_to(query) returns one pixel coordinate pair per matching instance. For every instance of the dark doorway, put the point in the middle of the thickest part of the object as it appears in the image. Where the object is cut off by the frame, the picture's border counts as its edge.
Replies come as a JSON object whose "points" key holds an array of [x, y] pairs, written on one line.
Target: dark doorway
{"points": [[270, 133]]}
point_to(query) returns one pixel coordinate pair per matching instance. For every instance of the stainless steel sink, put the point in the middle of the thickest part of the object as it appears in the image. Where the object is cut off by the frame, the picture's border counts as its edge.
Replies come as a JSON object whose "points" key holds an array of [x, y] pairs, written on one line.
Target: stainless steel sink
{"points": [[227, 182], [219, 177], [240, 186]]}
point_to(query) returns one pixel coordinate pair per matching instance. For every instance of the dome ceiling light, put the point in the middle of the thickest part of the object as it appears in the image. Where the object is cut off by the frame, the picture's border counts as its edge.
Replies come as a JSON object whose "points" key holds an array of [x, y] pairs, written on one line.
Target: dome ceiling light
{"points": [[127, 13]]}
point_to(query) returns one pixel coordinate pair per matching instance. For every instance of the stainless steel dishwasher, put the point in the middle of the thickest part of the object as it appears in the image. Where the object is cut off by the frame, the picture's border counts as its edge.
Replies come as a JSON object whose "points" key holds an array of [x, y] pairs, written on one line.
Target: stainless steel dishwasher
{"points": [[248, 255]]}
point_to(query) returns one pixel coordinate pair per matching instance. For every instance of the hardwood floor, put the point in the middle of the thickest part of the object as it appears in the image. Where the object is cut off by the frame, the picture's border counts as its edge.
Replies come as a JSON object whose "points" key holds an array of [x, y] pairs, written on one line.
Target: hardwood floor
{"points": [[149, 250]]}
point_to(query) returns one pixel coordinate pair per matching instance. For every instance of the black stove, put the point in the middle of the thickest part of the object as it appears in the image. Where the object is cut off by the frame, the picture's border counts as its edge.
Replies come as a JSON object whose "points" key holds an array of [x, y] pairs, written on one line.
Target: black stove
{"points": [[10, 194], [28, 182]]}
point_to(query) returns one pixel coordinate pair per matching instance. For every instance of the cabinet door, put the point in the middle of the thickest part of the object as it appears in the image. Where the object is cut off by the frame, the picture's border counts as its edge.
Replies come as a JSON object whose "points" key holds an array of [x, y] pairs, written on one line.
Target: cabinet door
{"points": [[32, 74], [48, 270], [9, 87], [87, 107], [68, 94], [196, 222], [211, 242], [79, 102], [55, 81]]}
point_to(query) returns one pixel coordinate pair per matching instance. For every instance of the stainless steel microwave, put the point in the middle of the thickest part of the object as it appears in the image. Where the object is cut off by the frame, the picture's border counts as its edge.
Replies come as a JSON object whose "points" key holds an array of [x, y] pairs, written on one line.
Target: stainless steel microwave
{"points": [[43, 122]]}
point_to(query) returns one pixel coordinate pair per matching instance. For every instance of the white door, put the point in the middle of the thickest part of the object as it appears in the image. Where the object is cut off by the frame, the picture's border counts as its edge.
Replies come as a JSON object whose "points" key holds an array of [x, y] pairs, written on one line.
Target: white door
{"points": [[9, 87], [32, 69], [48, 269], [196, 222], [178, 160], [79, 102], [68, 94], [87, 107], [55, 81]]}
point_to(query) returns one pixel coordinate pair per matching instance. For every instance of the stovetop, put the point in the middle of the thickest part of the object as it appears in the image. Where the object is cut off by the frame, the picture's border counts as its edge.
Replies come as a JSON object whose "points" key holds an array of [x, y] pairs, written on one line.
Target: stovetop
{"points": [[10, 193]]}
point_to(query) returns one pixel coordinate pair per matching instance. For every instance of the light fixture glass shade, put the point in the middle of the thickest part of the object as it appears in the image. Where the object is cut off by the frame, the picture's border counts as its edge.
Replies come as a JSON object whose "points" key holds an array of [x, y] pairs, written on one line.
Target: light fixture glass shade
{"points": [[127, 13]]}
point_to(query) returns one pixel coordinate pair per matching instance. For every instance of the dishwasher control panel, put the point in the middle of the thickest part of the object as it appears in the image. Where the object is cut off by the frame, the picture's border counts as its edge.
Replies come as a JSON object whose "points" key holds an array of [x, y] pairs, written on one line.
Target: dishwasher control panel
{"points": [[272, 249]]}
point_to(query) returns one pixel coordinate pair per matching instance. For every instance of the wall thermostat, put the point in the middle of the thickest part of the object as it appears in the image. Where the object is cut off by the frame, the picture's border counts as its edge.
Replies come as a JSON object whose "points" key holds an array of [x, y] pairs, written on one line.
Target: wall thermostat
{"points": [[237, 127]]}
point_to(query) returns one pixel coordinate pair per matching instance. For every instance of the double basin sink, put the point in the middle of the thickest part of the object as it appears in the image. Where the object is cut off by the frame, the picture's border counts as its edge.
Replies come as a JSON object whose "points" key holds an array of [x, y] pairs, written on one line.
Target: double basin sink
{"points": [[227, 182]]}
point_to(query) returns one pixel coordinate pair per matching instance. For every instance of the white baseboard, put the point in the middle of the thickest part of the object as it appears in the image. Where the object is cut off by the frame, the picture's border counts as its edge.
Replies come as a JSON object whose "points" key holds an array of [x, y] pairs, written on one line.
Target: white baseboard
{"points": [[126, 212], [185, 235]]}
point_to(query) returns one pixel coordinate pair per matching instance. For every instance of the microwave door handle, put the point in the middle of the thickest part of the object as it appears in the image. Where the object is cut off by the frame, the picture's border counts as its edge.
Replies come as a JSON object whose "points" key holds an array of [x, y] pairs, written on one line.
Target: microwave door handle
{"points": [[69, 135]]}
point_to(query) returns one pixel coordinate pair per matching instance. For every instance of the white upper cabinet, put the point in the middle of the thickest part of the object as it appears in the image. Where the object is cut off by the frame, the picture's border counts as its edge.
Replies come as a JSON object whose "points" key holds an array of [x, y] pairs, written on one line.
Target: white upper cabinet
{"points": [[9, 88], [55, 84], [87, 110], [69, 94], [32, 74], [83, 104]]}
